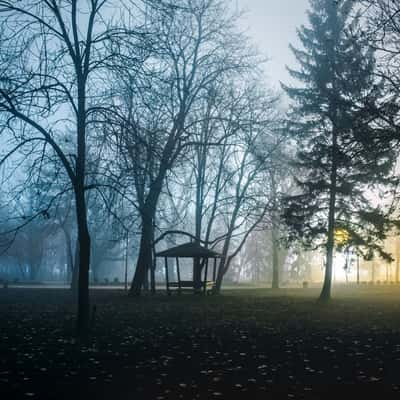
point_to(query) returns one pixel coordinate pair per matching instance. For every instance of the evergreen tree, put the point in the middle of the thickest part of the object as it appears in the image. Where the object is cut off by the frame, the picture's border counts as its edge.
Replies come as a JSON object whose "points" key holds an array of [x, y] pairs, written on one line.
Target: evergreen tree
{"points": [[344, 147]]}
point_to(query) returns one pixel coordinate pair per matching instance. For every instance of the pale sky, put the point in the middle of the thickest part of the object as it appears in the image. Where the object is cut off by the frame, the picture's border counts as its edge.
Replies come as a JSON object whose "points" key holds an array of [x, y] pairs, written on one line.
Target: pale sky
{"points": [[272, 26]]}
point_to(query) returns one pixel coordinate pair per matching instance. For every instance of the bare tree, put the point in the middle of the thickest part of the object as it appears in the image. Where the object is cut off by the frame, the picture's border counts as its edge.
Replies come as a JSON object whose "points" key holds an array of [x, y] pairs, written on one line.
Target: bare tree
{"points": [[52, 57], [230, 169], [196, 43]]}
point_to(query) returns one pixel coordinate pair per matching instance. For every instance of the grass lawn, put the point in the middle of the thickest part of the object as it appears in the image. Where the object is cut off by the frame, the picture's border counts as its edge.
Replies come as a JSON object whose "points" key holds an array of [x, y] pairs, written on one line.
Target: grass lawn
{"points": [[250, 344]]}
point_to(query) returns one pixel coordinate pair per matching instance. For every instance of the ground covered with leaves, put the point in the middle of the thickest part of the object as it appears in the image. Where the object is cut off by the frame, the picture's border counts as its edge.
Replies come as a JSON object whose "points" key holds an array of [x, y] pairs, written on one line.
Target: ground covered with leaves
{"points": [[243, 344]]}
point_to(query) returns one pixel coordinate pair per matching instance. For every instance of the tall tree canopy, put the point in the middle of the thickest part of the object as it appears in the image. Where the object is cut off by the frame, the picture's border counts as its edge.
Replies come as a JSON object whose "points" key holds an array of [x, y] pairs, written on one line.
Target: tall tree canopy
{"points": [[344, 148]]}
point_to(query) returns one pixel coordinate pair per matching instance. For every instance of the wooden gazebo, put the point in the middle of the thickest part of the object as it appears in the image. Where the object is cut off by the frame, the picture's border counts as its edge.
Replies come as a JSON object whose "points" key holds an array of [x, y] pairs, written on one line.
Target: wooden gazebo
{"points": [[201, 257]]}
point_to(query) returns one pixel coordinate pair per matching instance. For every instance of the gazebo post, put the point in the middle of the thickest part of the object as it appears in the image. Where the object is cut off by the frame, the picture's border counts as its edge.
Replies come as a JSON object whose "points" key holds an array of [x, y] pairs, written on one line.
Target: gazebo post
{"points": [[166, 274], [205, 277], [215, 269], [178, 272]]}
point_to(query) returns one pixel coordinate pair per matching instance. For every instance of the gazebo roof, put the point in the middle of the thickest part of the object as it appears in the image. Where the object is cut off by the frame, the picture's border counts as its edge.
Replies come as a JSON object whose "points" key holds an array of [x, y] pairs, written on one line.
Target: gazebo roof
{"points": [[189, 250]]}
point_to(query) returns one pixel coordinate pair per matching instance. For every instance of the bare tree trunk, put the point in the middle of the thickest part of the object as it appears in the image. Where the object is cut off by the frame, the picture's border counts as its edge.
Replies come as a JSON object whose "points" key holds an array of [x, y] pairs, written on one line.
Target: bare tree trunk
{"points": [[145, 258], [274, 235], [82, 323], [275, 260], [146, 278], [224, 262], [225, 259], [326, 288], [220, 275], [84, 263], [197, 265], [148, 213], [201, 154], [153, 277], [153, 265]]}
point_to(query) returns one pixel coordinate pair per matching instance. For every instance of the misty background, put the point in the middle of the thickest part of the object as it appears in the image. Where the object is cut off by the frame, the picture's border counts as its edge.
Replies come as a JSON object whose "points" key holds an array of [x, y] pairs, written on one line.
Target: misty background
{"points": [[210, 201]]}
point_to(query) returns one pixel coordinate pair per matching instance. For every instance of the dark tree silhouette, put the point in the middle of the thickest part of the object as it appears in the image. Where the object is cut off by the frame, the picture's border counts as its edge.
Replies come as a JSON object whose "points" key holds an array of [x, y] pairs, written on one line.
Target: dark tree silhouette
{"points": [[195, 44], [344, 144], [53, 55]]}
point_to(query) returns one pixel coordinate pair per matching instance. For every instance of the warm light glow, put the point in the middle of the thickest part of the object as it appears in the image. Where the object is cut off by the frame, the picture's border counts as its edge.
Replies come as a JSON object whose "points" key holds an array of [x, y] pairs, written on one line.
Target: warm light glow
{"points": [[342, 236]]}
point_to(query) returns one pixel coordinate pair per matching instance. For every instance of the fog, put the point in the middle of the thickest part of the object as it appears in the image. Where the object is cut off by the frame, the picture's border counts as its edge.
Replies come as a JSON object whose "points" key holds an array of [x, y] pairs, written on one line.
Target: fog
{"points": [[272, 26], [153, 176], [199, 199]]}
